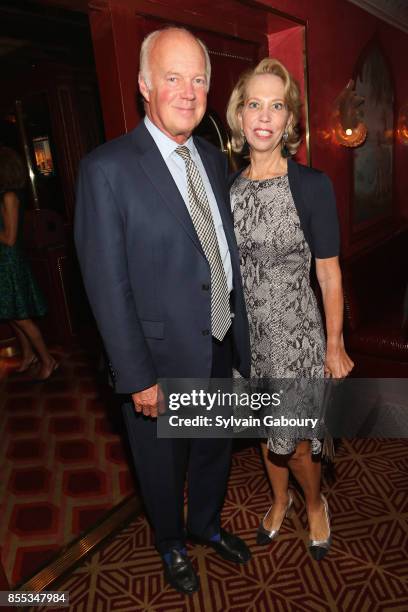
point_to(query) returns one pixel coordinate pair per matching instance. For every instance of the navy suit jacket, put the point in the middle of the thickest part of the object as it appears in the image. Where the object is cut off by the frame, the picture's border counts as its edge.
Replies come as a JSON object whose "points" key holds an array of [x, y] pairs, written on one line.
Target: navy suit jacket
{"points": [[144, 270]]}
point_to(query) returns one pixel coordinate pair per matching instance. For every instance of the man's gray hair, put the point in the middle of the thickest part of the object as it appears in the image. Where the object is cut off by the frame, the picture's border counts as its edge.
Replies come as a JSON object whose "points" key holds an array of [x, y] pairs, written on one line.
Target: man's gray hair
{"points": [[147, 44]]}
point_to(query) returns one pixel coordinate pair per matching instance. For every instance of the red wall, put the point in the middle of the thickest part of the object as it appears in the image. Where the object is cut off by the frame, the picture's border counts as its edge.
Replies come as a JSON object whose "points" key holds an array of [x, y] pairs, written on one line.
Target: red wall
{"points": [[337, 32]]}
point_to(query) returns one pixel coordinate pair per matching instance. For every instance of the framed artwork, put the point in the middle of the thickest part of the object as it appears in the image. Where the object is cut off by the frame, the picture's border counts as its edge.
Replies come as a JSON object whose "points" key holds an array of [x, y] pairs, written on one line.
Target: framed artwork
{"points": [[43, 157], [373, 161]]}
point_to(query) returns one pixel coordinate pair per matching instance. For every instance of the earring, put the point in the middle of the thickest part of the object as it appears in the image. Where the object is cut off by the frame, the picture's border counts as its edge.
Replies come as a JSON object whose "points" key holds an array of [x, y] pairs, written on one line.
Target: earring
{"points": [[285, 150]]}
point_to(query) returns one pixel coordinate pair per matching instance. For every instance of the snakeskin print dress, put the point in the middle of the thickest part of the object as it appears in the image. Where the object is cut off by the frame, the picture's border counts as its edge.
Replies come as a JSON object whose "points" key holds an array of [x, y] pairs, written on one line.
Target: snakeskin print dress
{"points": [[287, 337]]}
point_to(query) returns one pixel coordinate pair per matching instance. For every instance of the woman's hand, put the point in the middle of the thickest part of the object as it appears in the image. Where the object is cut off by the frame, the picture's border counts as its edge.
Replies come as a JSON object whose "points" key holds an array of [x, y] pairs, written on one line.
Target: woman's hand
{"points": [[337, 363]]}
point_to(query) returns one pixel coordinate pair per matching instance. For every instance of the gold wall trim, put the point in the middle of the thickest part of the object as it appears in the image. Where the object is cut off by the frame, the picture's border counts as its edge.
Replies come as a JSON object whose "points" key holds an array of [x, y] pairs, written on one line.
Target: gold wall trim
{"points": [[224, 54], [27, 154], [77, 550], [59, 265], [306, 95]]}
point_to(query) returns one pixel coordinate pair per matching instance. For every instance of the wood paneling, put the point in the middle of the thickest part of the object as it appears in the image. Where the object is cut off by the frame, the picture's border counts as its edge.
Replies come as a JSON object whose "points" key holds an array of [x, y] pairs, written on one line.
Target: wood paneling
{"points": [[235, 33]]}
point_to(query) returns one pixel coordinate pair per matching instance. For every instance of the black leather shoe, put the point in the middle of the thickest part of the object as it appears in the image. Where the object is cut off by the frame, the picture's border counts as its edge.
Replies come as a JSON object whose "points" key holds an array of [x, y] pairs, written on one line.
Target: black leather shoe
{"points": [[229, 547], [179, 573]]}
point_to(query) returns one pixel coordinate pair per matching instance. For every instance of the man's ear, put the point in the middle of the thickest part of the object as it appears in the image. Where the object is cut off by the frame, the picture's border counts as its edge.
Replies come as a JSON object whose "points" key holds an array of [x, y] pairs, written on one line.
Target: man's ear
{"points": [[144, 90]]}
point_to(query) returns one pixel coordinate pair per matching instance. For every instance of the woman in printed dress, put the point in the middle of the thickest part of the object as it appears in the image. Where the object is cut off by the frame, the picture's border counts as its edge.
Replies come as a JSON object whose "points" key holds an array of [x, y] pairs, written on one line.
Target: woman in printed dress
{"points": [[285, 215]]}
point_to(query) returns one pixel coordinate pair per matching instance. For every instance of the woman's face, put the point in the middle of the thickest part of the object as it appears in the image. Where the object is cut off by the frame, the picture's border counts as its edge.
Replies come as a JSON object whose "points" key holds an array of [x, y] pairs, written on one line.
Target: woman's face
{"points": [[264, 116]]}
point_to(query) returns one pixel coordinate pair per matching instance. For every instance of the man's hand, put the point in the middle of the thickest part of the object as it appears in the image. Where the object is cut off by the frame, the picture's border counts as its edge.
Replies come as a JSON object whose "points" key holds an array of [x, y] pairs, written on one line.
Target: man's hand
{"points": [[149, 401]]}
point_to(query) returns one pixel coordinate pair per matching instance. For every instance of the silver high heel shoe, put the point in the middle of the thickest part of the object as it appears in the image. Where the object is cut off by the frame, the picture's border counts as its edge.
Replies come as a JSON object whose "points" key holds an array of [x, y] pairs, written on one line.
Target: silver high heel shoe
{"points": [[263, 536], [319, 548]]}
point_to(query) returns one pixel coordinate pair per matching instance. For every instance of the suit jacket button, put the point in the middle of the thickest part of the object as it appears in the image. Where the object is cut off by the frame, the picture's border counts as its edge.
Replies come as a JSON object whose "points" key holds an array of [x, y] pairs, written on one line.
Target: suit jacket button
{"points": [[205, 287], [205, 332]]}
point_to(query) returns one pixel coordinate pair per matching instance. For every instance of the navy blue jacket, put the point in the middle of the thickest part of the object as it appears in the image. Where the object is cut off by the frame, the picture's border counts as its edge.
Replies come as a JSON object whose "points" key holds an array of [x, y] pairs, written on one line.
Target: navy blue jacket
{"points": [[144, 270]]}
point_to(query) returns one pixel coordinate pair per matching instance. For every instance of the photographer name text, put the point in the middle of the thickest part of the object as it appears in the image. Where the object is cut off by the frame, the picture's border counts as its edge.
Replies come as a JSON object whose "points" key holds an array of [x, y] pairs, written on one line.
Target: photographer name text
{"points": [[238, 422]]}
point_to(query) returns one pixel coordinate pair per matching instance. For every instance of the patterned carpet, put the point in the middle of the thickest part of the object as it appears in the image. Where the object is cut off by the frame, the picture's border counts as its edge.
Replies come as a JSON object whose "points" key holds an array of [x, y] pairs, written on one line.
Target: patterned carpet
{"points": [[62, 464], [366, 571], [59, 443]]}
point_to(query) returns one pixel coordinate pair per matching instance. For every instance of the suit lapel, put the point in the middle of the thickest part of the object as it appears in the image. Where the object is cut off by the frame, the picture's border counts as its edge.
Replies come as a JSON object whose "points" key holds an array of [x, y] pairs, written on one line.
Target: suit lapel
{"points": [[158, 174]]}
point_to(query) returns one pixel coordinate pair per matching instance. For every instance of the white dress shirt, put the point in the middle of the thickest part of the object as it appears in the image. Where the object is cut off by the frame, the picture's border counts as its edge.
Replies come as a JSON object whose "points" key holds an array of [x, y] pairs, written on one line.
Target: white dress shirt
{"points": [[177, 169]]}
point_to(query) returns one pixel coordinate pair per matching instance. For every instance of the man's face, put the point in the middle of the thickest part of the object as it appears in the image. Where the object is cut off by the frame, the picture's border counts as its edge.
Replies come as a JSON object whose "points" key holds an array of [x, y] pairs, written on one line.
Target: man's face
{"points": [[177, 99]]}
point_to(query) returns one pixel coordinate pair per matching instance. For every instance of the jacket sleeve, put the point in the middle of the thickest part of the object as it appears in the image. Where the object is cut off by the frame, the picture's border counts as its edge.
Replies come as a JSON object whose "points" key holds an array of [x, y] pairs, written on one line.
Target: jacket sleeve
{"points": [[101, 245], [324, 224]]}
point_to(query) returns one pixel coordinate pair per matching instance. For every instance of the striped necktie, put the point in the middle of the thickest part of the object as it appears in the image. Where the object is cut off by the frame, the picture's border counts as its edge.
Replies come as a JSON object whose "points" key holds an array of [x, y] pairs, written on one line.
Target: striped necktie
{"points": [[204, 225]]}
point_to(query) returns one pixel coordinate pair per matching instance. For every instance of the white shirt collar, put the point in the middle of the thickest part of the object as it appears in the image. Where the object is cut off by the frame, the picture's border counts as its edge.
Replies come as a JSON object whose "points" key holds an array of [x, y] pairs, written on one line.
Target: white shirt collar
{"points": [[166, 145]]}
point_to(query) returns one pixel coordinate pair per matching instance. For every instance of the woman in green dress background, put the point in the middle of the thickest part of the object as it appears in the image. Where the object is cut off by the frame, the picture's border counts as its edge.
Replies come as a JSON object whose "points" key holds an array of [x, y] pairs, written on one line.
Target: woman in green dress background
{"points": [[20, 296]]}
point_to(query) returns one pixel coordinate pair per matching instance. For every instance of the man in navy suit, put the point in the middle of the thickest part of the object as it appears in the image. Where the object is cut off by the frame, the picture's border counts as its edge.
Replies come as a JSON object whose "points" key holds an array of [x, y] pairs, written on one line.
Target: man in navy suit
{"points": [[150, 279]]}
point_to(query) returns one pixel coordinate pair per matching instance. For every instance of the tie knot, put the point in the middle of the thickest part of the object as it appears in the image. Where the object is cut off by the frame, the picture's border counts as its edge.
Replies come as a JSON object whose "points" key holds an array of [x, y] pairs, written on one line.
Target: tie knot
{"points": [[184, 152]]}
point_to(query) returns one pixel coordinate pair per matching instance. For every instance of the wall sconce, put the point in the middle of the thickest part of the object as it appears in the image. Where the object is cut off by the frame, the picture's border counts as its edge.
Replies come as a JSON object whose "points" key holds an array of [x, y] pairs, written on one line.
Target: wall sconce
{"points": [[348, 127], [402, 127]]}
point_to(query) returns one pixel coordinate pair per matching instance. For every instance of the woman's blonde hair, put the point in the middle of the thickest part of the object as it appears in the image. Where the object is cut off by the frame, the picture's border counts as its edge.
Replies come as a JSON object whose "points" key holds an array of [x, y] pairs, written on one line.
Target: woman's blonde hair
{"points": [[236, 102]]}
